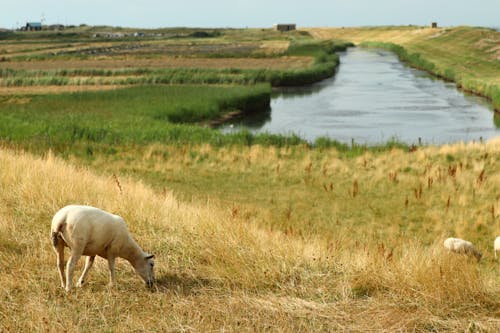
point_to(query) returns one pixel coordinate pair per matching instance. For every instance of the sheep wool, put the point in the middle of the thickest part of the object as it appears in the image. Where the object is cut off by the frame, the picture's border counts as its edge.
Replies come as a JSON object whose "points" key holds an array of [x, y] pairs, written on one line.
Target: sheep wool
{"points": [[461, 246]]}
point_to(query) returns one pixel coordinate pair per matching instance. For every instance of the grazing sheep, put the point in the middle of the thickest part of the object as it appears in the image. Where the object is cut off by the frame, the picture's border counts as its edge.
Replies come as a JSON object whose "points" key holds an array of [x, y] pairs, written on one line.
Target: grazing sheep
{"points": [[458, 245], [90, 231], [496, 245]]}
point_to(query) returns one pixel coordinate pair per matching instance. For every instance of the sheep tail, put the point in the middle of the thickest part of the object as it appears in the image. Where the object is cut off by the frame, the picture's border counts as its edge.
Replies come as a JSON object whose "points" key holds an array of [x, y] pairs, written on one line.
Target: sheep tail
{"points": [[55, 233], [54, 238]]}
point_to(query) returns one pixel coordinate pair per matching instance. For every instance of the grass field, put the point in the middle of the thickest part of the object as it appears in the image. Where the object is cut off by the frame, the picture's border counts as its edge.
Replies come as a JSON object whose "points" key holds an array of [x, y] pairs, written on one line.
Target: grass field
{"points": [[250, 232], [267, 256]]}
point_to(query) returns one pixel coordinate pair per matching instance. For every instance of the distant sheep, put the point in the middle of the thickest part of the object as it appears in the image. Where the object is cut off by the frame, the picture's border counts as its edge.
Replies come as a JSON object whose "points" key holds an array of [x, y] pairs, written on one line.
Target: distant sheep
{"points": [[458, 245], [89, 231], [496, 245]]}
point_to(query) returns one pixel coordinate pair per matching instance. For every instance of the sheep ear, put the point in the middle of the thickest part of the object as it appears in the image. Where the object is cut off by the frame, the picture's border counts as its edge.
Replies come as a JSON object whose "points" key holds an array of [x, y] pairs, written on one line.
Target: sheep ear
{"points": [[149, 256]]}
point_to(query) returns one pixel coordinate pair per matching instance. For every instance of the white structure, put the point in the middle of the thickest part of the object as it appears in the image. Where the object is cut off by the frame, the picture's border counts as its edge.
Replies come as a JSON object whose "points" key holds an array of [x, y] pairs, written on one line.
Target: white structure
{"points": [[89, 231]]}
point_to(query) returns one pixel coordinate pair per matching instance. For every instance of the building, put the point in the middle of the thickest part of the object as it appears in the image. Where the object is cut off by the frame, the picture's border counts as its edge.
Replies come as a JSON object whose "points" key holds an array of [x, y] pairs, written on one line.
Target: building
{"points": [[434, 25], [33, 26], [285, 26]]}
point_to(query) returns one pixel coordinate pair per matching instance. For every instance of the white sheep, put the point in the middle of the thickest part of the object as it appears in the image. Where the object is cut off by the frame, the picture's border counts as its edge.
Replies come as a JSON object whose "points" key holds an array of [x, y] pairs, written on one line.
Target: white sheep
{"points": [[458, 245], [90, 231], [496, 245]]}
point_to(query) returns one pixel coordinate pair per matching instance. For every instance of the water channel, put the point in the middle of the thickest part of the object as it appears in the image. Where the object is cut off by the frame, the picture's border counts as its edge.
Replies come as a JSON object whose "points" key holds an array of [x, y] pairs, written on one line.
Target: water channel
{"points": [[374, 98]]}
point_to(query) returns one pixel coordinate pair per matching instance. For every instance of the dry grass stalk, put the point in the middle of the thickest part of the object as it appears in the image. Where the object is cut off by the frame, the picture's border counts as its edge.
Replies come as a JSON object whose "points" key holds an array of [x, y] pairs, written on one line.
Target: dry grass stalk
{"points": [[355, 189]]}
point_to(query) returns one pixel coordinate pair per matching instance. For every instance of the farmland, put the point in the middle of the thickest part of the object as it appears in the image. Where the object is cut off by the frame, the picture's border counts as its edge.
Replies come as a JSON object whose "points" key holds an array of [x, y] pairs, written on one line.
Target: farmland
{"points": [[85, 58], [250, 232]]}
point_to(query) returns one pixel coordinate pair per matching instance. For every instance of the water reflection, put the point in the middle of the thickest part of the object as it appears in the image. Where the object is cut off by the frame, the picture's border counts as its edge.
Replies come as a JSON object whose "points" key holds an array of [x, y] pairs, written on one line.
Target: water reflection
{"points": [[373, 98], [496, 120], [254, 121]]}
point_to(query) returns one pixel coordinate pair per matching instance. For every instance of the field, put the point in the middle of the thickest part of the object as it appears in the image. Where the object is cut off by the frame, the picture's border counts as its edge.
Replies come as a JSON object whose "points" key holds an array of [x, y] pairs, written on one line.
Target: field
{"points": [[250, 232], [86, 57]]}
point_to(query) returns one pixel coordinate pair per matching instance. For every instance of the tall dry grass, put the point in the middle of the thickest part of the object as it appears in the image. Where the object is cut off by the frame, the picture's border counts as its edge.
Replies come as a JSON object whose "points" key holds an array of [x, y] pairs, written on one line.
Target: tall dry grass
{"points": [[216, 272]]}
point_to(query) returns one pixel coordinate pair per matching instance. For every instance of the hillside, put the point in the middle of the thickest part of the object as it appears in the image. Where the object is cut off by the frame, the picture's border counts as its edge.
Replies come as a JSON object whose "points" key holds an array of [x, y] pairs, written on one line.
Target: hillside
{"points": [[230, 267]]}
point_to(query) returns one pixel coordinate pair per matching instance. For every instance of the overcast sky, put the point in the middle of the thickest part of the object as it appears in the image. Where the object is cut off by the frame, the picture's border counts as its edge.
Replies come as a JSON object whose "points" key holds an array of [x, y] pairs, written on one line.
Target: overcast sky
{"points": [[251, 13]]}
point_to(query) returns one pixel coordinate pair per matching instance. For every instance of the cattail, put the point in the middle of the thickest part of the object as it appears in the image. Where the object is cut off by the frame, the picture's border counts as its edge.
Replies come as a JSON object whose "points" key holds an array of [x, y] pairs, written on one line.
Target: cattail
{"points": [[430, 181], [481, 177], [406, 202], [418, 192], [355, 189], [448, 203], [452, 170], [234, 212], [389, 255], [393, 176], [118, 183]]}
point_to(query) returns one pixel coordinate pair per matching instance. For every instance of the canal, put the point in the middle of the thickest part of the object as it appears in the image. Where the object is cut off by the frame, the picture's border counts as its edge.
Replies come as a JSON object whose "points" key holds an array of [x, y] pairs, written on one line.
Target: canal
{"points": [[374, 98]]}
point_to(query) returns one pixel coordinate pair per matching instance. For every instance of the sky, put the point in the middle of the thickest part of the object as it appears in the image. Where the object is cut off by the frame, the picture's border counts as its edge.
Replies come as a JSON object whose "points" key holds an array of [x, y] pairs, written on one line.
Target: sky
{"points": [[251, 13]]}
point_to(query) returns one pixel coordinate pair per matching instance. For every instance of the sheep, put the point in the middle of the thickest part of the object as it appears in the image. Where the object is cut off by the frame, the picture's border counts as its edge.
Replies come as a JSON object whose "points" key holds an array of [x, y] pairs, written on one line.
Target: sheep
{"points": [[496, 245], [90, 231], [458, 245]]}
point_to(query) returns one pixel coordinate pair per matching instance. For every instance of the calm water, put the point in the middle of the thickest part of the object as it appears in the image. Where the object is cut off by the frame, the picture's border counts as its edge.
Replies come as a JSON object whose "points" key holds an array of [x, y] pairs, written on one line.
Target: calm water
{"points": [[373, 98]]}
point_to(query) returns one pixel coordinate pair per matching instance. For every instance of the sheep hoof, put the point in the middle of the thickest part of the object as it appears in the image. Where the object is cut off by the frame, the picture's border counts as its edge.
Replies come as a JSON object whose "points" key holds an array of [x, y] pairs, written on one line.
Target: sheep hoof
{"points": [[80, 284]]}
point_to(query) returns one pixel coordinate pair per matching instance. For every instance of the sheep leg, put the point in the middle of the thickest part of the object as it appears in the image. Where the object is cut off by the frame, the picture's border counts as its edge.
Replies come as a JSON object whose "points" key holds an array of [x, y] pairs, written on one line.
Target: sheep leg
{"points": [[89, 260], [111, 264], [59, 248], [70, 269]]}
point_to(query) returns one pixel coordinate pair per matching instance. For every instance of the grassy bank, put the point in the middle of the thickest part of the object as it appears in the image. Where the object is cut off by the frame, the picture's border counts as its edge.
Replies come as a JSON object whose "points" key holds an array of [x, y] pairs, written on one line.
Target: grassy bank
{"points": [[466, 55], [273, 264]]}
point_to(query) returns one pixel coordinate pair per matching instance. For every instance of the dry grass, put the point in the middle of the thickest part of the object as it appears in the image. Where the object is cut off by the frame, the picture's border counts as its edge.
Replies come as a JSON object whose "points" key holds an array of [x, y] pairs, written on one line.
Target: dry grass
{"points": [[398, 35], [35, 90], [163, 62], [217, 271]]}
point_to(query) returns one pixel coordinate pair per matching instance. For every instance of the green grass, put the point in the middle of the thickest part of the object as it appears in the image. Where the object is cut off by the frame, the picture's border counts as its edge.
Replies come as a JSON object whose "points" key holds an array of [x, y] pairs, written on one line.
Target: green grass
{"points": [[414, 59], [129, 116]]}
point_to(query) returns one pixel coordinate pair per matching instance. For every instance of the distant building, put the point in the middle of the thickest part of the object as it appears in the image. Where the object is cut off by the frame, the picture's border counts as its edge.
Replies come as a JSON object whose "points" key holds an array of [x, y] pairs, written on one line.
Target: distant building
{"points": [[33, 26], [434, 25], [284, 27]]}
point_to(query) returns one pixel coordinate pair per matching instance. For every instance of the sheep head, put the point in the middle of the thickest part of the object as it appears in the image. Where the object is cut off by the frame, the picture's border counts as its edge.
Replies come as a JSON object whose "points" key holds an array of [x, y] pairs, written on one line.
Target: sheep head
{"points": [[145, 268]]}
